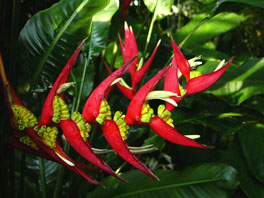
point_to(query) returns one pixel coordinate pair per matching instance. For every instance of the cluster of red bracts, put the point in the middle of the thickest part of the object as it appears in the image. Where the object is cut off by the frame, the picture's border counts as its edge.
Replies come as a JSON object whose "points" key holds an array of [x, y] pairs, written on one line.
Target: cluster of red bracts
{"points": [[40, 138]]}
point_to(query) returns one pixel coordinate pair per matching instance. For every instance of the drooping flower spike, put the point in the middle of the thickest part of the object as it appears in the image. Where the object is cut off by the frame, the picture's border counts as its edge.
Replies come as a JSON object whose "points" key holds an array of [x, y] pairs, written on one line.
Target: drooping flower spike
{"points": [[25, 138], [97, 110], [139, 112], [55, 112], [137, 72]]}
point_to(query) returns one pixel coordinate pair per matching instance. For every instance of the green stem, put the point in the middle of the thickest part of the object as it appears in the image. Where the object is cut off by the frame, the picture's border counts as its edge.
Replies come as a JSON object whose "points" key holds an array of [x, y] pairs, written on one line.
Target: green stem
{"points": [[193, 31], [179, 14], [150, 29], [42, 178]]}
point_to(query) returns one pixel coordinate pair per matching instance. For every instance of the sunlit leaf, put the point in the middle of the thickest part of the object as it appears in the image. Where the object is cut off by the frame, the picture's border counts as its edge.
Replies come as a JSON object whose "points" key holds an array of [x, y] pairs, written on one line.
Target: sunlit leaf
{"points": [[163, 7], [238, 85], [219, 24]]}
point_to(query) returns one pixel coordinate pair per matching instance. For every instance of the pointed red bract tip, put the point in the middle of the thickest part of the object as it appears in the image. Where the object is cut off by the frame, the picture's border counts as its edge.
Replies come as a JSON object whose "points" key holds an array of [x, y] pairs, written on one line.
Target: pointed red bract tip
{"points": [[203, 82], [138, 76], [182, 62], [169, 133], [113, 137], [171, 83], [47, 110]]}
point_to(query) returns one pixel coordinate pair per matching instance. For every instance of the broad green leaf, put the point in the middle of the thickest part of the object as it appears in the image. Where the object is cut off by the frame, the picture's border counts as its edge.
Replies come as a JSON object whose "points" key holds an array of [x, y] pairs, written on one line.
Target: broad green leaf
{"points": [[207, 180], [163, 7], [219, 24], [248, 183], [49, 38], [257, 3], [238, 85], [101, 23], [252, 138]]}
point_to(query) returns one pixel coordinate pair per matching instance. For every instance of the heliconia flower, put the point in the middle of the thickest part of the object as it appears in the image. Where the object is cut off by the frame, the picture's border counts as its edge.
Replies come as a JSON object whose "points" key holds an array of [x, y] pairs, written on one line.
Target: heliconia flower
{"points": [[91, 112], [40, 141], [139, 112], [97, 110], [137, 71], [195, 81], [55, 112]]}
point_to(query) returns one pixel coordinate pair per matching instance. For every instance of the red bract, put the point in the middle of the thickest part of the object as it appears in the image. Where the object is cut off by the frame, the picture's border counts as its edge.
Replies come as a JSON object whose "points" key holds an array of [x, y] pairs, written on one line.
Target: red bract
{"points": [[169, 133], [28, 140], [171, 83], [193, 85], [47, 110], [133, 115], [159, 126], [130, 49], [59, 155], [200, 83], [113, 137], [72, 134], [182, 62], [92, 105]]}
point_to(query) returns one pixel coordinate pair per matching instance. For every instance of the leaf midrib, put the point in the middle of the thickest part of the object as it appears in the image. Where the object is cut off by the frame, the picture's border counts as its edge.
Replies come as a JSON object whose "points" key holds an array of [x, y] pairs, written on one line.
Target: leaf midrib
{"points": [[167, 186], [53, 43]]}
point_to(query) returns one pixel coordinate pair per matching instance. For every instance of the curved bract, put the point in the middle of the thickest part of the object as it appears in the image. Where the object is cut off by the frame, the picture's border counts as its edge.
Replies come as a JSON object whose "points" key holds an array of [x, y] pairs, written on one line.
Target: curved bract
{"points": [[113, 137], [72, 134], [133, 115], [169, 133]]}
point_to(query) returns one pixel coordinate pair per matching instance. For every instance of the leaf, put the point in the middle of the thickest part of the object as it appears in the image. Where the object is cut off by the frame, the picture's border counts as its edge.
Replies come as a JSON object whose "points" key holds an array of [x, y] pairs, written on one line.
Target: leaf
{"points": [[101, 23], [238, 85], [257, 3], [163, 7], [207, 180], [248, 183], [256, 103], [219, 24], [50, 37], [252, 138]]}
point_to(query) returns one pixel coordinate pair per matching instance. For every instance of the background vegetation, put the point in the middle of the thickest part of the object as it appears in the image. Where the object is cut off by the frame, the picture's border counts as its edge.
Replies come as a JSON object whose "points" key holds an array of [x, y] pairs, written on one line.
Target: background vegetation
{"points": [[38, 37]]}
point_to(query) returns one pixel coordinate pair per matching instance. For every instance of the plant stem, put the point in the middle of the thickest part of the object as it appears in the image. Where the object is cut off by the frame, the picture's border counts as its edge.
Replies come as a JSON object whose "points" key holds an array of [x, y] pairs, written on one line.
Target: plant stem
{"points": [[193, 31], [42, 178], [150, 28], [86, 64]]}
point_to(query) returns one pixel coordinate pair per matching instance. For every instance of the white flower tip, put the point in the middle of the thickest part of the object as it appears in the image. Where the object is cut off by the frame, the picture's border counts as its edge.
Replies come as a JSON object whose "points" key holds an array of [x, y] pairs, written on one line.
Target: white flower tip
{"points": [[64, 159], [115, 81], [193, 136], [220, 65]]}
